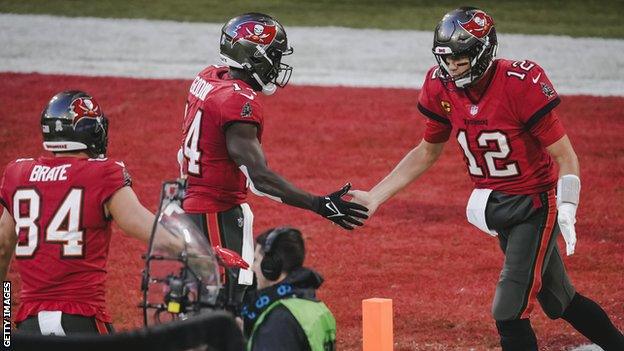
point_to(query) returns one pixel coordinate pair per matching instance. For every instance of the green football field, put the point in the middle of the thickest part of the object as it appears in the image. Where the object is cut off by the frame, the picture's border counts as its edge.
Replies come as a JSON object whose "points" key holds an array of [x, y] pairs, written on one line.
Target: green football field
{"points": [[579, 18]]}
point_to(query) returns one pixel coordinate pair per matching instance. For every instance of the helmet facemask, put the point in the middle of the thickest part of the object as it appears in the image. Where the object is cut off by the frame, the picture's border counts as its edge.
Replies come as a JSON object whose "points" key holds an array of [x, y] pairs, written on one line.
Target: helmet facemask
{"points": [[480, 57], [269, 71]]}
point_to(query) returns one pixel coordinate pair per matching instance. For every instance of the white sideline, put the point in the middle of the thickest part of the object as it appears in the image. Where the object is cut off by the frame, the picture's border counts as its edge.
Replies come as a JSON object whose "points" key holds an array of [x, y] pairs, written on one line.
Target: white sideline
{"points": [[588, 348], [325, 56]]}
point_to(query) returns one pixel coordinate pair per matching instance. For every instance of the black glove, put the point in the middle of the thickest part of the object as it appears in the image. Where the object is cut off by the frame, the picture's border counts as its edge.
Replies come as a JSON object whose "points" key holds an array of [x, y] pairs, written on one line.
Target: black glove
{"points": [[339, 211]]}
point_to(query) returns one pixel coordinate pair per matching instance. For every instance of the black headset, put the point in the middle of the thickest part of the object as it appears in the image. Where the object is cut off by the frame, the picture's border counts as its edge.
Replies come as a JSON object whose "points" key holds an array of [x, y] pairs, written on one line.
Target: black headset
{"points": [[272, 264]]}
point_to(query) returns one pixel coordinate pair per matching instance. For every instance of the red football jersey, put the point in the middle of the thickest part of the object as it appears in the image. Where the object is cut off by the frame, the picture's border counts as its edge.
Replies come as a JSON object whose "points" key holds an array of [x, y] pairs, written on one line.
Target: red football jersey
{"points": [[503, 136], [215, 101], [63, 232]]}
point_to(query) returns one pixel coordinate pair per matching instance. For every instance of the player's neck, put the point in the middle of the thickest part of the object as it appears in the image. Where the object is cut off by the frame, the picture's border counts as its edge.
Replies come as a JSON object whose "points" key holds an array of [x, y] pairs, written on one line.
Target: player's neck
{"points": [[77, 154], [245, 77], [476, 91]]}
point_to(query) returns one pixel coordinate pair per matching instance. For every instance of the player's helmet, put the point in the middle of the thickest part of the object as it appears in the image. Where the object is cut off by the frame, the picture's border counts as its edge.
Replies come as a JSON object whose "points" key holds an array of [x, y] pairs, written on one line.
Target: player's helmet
{"points": [[256, 43], [74, 121], [466, 31]]}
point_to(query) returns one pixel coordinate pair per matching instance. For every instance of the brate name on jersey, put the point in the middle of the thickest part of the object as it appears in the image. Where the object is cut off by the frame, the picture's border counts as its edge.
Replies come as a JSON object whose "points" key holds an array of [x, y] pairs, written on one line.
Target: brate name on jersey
{"points": [[49, 174], [200, 88]]}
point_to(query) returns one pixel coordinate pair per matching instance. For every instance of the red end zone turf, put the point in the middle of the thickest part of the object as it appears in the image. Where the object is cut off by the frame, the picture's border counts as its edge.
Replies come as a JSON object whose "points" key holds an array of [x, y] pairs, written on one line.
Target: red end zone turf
{"points": [[418, 249]]}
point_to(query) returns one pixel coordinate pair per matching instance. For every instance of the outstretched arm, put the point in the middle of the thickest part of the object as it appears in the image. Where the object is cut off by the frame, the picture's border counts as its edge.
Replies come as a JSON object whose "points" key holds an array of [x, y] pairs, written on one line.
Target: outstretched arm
{"points": [[415, 163], [8, 239], [130, 215], [245, 149]]}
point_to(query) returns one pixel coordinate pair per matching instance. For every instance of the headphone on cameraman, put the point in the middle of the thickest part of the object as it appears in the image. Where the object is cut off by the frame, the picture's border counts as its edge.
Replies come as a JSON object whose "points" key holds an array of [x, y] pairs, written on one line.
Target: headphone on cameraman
{"points": [[271, 265]]}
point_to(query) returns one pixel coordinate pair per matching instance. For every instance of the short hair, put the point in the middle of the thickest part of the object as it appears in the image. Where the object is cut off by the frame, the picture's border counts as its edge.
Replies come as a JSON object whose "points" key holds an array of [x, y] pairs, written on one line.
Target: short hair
{"points": [[288, 246]]}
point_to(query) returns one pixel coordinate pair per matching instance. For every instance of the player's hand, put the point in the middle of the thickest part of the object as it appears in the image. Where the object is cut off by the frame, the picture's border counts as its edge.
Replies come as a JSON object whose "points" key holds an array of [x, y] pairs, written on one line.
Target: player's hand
{"points": [[566, 219], [344, 213], [364, 198]]}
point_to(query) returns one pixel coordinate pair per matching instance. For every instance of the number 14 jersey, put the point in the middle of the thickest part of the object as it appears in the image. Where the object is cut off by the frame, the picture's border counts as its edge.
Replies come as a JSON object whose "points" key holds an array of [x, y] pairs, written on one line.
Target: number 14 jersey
{"points": [[503, 136], [215, 101]]}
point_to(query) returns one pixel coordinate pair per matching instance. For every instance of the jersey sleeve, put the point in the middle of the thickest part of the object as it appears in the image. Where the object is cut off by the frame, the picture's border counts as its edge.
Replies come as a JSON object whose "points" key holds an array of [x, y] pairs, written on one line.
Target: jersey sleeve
{"points": [[114, 176], [8, 184], [438, 127], [4, 196], [239, 107], [429, 104], [436, 132], [532, 93], [549, 129]]}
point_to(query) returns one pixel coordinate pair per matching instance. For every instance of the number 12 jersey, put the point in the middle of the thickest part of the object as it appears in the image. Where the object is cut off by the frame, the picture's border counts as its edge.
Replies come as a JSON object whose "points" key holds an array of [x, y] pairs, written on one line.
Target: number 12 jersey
{"points": [[504, 134]]}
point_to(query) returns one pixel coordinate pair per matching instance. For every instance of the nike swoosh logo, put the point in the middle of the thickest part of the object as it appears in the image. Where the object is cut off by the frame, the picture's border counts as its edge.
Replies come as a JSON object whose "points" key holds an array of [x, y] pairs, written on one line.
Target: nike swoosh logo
{"points": [[537, 78], [332, 207], [250, 97]]}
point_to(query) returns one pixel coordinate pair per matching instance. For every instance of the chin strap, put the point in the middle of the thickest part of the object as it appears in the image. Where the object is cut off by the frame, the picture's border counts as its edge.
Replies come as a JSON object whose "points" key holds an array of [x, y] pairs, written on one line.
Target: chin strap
{"points": [[267, 89]]}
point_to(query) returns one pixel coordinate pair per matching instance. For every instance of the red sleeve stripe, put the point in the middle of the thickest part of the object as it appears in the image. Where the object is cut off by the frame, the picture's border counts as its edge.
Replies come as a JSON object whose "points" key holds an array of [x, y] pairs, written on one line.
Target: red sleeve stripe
{"points": [[432, 115], [545, 237], [101, 327], [537, 116]]}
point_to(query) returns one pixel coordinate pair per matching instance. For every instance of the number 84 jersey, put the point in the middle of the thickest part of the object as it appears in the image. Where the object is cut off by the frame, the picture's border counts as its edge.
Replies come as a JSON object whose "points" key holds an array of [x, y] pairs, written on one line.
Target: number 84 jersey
{"points": [[63, 231], [503, 136]]}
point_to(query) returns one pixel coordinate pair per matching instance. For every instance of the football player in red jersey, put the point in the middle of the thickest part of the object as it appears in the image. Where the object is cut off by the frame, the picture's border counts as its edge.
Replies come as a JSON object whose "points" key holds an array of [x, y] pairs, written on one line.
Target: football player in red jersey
{"points": [[221, 154], [61, 209], [502, 114]]}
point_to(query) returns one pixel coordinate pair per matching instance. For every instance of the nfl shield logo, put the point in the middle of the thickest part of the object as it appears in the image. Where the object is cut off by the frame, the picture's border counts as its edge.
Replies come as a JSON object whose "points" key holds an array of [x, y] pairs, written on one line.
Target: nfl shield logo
{"points": [[474, 109]]}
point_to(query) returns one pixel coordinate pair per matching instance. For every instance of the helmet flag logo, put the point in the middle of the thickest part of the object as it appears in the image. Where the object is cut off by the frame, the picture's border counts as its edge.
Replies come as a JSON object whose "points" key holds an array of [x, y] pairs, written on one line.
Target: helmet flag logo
{"points": [[84, 107], [255, 32], [479, 25]]}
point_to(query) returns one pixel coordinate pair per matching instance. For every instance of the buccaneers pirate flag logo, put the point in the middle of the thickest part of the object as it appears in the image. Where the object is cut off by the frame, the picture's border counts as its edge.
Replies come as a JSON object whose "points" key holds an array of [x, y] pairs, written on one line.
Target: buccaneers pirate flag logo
{"points": [[255, 32], [479, 25], [85, 107]]}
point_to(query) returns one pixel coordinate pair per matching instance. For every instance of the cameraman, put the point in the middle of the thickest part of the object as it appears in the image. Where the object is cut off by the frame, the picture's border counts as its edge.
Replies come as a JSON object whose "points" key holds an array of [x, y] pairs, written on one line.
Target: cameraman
{"points": [[284, 313]]}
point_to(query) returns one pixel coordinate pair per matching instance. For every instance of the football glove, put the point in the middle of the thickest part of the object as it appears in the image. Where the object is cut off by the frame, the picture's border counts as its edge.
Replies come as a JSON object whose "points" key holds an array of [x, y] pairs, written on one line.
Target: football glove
{"points": [[568, 191], [566, 219], [344, 213]]}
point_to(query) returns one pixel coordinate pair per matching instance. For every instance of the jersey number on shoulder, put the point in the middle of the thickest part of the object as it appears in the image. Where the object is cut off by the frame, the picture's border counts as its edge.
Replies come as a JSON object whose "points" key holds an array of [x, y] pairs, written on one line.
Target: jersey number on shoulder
{"points": [[487, 139], [64, 228], [524, 65], [191, 145]]}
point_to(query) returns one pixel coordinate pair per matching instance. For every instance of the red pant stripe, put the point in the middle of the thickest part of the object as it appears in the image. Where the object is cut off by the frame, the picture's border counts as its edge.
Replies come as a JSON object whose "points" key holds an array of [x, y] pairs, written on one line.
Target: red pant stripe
{"points": [[214, 234], [536, 284]]}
